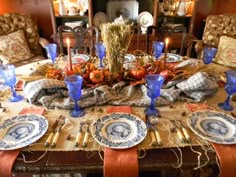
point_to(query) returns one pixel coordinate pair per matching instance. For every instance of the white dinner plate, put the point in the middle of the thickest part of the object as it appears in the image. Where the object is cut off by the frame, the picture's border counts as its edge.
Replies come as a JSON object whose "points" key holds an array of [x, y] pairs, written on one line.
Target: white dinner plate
{"points": [[172, 58], [119, 130], [77, 58], [213, 126], [21, 131]]}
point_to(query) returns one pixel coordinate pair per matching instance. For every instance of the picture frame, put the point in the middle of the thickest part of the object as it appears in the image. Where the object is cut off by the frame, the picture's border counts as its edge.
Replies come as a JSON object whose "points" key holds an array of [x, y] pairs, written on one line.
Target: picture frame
{"points": [[128, 9]]}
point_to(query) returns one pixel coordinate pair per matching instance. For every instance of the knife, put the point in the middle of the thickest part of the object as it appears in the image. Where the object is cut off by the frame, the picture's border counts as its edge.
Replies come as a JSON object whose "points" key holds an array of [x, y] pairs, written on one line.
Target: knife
{"points": [[78, 136]]}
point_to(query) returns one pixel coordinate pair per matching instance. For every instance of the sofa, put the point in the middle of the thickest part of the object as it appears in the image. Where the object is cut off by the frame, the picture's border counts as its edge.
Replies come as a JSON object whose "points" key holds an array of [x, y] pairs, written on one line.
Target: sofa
{"points": [[19, 39]]}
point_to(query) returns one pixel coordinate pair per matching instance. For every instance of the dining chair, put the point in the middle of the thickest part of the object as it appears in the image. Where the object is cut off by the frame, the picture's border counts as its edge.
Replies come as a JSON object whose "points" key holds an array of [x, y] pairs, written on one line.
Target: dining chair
{"points": [[82, 39], [136, 29], [174, 33]]}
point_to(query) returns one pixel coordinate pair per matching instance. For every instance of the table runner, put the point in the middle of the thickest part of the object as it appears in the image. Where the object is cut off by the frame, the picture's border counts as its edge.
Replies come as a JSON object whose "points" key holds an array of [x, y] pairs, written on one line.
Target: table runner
{"points": [[7, 158], [120, 162]]}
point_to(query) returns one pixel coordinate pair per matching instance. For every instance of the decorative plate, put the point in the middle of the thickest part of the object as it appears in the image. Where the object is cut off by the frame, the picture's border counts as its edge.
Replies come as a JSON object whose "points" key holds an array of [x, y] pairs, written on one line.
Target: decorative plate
{"points": [[213, 126], [21, 131], [100, 18], [172, 58], [119, 130], [145, 19]]}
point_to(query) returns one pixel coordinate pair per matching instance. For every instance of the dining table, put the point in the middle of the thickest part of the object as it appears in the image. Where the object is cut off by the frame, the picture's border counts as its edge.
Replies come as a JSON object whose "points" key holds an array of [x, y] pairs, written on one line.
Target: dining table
{"points": [[175, 156]]}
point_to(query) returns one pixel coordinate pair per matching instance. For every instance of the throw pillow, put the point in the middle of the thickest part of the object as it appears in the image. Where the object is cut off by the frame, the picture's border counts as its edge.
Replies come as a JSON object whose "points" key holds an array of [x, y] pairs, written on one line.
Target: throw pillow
{"points": [[14, 48], [226, 53]]}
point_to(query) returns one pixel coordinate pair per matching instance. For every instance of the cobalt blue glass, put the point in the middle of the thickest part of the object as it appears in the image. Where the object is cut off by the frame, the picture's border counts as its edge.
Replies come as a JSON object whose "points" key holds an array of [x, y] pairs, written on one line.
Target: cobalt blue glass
{"points": [[154, 83], [208, 54], [157, 47], [100, 52], [51, 50], [230, 88], [74, 86], [8, 74]]}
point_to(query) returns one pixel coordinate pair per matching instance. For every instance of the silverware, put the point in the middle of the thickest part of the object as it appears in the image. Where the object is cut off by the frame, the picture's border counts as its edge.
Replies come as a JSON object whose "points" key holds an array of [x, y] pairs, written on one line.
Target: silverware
{"points": [[79, 136], [86, 136], [179, 132], [154, 121], [49, 139], [58, 131], [185, 132]]}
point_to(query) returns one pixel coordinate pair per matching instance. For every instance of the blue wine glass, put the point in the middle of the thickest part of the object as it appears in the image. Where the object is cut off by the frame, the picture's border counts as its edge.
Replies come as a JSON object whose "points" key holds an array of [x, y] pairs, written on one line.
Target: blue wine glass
{"points": [[154, 83], [74, 85], [230, 88], [157, 47], [51, 50], [208, 54], [8, 74], [100, 52]]}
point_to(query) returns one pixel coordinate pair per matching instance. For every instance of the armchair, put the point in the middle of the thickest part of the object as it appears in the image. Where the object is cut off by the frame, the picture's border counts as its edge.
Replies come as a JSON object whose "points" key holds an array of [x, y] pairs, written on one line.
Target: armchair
{"points": [[215, 27], [19, 39]]}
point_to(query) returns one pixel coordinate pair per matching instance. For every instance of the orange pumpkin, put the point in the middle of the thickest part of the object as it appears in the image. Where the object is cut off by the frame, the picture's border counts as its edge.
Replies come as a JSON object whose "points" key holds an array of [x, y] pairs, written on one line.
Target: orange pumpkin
{"points": [[96, 76]]}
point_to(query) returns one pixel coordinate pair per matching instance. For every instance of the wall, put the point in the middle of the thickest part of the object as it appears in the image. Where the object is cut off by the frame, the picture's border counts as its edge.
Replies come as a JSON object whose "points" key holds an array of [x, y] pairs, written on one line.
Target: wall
{"points": [[39, 9], [204, 9]]}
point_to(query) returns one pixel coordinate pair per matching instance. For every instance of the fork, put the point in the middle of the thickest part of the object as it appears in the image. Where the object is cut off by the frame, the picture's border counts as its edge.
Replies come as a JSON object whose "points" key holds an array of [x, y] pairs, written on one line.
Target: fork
{"points": [[154, 121]]}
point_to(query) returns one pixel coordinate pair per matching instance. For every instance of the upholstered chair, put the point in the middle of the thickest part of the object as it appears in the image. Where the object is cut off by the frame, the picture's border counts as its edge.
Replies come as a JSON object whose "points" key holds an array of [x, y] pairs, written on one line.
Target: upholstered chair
{"points": [[219, 32], [19, 39]]}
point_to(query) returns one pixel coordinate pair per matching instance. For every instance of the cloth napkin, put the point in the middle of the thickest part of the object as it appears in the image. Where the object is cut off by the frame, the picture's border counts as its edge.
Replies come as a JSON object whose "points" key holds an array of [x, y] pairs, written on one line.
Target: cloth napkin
{"points": [[124, 162], [227, 157], [7, 158], [53, 93]]}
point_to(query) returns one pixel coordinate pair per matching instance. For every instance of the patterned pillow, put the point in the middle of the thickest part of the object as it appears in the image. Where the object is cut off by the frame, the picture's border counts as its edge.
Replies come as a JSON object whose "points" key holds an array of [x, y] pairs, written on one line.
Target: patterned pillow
{"points": [[14, 48], [226, 53]]}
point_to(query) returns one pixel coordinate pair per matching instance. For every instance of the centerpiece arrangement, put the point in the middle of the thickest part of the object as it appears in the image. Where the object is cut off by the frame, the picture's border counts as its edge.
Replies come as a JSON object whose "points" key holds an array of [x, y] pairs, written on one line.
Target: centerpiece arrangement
{"points": [[116, 38]]}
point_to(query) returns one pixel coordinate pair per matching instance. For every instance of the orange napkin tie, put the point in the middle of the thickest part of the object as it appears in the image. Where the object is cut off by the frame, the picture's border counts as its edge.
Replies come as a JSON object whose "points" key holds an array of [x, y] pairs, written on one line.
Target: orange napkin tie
{"points": [[227, 157], [120, 162], [7, 158]]}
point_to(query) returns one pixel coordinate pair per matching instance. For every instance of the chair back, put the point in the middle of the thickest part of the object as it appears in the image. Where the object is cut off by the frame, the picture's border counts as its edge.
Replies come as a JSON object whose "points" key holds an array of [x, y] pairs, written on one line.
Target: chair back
{"points": [[176, 35], [217, 26], [83, 39]]}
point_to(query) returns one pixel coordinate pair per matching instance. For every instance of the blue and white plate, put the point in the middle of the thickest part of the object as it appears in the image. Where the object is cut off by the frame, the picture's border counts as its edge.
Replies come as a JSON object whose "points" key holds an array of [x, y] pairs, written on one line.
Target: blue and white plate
{"points": [[213, 126], [21, 131], [172, 58], [119, 130], [77, 58]]}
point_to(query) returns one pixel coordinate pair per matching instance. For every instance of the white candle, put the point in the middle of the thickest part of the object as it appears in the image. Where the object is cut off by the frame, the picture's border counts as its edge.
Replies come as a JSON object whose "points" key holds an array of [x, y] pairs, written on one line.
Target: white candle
{"points": [[166, 51], [69, 54]]}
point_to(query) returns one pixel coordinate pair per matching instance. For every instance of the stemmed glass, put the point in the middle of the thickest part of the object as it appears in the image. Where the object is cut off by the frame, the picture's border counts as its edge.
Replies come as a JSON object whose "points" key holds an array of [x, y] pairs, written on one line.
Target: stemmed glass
{"points": [[230, 88], [208, 54], [74, 84], [157, 47], [9, 76], [100, 52], [51, 50], [154, 83]]}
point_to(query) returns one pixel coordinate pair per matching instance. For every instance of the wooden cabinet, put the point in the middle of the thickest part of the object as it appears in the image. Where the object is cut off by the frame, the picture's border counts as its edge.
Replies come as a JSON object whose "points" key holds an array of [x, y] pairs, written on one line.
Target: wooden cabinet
{"points": [[58, 19]]}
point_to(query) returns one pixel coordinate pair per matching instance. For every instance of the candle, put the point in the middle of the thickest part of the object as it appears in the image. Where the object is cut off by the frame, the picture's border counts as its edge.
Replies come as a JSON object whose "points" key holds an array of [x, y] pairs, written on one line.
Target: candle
{"points": [[166, 50], [69, 54]]}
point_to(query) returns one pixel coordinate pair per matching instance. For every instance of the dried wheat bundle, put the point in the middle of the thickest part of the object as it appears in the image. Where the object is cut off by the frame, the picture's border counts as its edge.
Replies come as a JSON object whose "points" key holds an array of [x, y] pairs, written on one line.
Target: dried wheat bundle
{"points": [[116, 38]]}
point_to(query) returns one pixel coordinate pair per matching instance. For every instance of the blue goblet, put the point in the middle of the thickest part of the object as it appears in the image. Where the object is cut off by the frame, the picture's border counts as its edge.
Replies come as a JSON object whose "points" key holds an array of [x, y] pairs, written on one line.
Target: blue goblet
{"points": [[230, 88], [51, 50], [74, 84], [154, 83], [208, 54], [8, 74], [100, 52], [157, 48]]}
